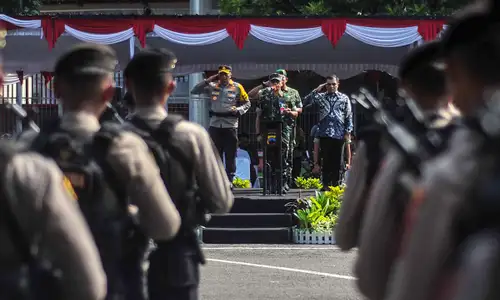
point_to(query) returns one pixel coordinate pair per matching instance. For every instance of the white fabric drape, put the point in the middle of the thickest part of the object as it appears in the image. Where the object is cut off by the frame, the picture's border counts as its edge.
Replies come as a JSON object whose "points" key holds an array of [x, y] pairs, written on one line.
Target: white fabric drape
{"points": [[21, 23], [196, 39], [104, 39], [12, 79], [384, 37], [287, 37]]}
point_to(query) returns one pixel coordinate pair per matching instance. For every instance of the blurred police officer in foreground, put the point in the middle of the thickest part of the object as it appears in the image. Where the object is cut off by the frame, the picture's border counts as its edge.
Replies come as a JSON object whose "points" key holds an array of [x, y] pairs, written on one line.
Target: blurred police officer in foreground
{"points": [[380, 236], [228, 101], [445, 207], [108, 167], [37, 209], [191, 169]]}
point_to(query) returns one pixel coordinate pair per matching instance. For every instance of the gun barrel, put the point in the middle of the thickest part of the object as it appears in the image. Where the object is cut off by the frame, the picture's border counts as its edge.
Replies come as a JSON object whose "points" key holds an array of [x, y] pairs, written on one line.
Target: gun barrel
{"points": [[18, 110]]}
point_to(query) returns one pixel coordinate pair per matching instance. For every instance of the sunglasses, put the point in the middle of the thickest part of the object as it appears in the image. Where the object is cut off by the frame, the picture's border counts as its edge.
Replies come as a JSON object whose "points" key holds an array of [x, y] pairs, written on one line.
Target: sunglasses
{"points": [[331, 84]]}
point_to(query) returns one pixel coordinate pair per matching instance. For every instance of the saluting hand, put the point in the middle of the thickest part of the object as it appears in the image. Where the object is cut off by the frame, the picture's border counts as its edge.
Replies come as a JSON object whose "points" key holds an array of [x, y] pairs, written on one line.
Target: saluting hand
{"points": [[320, 87], [212, 78]]}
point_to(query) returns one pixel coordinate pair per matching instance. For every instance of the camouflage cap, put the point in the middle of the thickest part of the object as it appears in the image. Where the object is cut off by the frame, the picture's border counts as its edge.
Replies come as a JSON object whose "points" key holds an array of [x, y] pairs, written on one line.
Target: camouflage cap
{"points": [[276, 77], [282, 72]]}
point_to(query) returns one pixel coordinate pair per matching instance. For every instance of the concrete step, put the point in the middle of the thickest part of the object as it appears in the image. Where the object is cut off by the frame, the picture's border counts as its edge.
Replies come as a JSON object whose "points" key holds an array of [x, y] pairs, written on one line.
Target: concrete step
{"points": [[250, 220], [261, 205], [277, 235]]}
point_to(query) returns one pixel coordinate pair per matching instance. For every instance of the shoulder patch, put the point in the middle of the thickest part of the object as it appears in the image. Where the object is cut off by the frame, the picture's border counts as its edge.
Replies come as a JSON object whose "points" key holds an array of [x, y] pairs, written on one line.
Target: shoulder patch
{"points": [[69, 188], [243, 93]]}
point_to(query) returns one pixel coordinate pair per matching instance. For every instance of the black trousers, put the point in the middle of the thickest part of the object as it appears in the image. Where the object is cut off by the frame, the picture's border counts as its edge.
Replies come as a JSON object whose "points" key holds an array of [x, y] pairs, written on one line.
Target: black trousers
{"points": [[226, 142], [174, 274], [330, 154]]}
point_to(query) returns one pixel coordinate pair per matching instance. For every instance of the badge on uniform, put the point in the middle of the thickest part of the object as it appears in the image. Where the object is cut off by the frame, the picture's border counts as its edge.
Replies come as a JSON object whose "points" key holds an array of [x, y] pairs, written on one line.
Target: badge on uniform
{"points": [[69, 187], [271, 139]]}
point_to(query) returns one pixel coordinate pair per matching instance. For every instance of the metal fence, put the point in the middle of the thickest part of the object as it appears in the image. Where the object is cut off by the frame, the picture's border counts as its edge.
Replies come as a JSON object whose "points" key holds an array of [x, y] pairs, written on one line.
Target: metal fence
{"points": [[37, 97]]}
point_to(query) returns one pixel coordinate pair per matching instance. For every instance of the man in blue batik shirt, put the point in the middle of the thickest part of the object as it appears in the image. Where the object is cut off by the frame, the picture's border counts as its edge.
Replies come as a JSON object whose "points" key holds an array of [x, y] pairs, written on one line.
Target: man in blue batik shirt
{"points": [[335, 128]]}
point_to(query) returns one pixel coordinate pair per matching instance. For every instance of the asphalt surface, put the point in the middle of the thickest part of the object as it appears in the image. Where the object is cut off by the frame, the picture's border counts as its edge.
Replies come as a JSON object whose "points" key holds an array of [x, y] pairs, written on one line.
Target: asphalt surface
{"points": [[275, 272]]}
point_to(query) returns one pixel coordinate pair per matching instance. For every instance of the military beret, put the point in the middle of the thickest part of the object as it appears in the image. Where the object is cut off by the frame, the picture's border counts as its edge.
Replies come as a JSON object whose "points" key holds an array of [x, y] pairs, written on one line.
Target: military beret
{"points": [[275, 77], [425, 56], [150, 62], [225, 69], [87, 59]]}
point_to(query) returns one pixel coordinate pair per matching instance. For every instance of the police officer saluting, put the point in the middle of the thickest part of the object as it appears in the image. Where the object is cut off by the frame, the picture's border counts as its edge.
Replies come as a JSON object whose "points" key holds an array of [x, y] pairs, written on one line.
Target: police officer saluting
{"points": [[191, 169], [228, 101], [38, 211], [109, 168]]}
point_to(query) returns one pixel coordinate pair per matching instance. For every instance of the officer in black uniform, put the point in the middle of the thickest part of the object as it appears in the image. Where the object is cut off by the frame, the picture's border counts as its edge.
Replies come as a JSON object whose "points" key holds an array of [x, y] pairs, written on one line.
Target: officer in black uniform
{"points": [[191, 170]]}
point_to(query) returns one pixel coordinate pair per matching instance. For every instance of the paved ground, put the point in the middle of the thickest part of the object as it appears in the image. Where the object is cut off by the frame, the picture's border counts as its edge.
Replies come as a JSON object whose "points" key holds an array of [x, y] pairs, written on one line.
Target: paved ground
{"points": [[275, 272]]}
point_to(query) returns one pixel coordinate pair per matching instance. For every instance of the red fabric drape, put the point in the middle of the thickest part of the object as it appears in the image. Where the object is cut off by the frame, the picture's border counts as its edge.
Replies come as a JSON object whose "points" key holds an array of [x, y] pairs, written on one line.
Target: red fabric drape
{"points": [[334, 29], [47, 77], [98, 26], [141, 28], [429, 29], [237, 28], [238, 31]]}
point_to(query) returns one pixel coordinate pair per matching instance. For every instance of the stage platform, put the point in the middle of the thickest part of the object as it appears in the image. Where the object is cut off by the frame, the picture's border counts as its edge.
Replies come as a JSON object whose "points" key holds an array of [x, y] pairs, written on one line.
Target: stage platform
{"points": [[255, 219]]}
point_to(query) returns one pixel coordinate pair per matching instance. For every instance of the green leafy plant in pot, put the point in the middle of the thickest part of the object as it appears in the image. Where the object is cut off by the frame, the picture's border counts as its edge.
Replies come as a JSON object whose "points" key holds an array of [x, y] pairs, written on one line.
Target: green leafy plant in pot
{"points": [[308, 183], [241, 183], [318, 213]]}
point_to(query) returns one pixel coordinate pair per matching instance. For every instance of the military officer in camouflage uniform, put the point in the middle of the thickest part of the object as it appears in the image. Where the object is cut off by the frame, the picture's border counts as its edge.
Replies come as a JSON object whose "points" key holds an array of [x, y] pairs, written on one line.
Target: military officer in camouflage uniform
{"points": [[273, 94], [292, 97], [228, 101]]}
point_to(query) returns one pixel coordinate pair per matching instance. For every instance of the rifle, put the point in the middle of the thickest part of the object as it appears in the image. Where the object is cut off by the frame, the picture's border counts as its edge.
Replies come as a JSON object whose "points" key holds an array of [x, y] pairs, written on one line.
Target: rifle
{"points": [[23, 116], [111, 114], [399, 135]]}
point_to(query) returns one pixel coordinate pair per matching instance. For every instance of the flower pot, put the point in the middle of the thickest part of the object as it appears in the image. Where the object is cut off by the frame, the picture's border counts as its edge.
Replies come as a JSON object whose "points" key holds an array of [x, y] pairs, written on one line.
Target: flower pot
{"points": [[304, 236]]}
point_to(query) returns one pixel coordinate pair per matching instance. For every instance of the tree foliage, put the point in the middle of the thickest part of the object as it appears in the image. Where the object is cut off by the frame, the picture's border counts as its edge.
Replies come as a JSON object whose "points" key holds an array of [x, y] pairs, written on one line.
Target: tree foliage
{"points": [[20, 7], [341, 7]]}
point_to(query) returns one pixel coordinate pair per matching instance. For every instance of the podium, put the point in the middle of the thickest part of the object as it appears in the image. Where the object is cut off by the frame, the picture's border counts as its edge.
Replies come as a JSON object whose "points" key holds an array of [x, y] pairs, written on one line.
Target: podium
{"points": [[273, 160]]}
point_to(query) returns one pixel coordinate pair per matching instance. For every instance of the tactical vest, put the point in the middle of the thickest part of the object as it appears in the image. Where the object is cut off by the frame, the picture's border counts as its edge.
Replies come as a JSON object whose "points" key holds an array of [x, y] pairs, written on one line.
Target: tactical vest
{"points": [[36, 280], [100, 197], [177, 171]]}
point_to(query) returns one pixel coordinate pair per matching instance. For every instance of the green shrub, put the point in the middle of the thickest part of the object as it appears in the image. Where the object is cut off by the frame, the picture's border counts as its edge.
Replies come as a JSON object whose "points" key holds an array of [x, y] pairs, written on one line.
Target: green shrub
{"points": [[319, 212], [241, 183], [308, 183]]}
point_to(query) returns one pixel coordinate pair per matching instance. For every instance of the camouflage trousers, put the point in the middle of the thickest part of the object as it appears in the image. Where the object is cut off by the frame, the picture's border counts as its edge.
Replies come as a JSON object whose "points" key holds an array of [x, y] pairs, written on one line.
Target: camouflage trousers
{"points": [[287, 140], [291, 147]]}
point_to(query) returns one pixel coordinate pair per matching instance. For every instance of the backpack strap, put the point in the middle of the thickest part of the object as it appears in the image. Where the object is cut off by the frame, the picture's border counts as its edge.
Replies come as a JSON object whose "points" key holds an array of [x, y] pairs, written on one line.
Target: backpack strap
{"points": [[21, 243], [163, 135], [100, 148], [42, 139]]}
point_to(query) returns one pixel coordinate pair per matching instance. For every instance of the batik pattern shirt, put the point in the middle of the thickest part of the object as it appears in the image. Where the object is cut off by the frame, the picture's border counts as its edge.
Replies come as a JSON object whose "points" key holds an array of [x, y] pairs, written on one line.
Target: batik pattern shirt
{"points": [[335, 114]]}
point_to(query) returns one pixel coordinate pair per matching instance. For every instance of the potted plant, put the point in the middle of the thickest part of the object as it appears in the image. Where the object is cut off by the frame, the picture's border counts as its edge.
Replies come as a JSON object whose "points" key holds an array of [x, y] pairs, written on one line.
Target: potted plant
{"points": [[310, 183], [241, 183], [317, 217]]}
